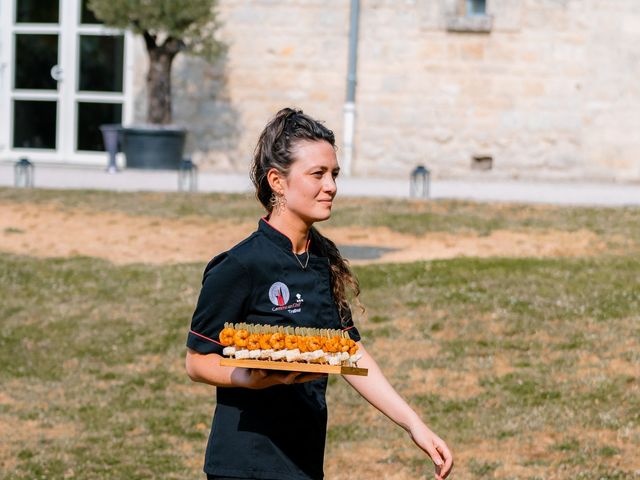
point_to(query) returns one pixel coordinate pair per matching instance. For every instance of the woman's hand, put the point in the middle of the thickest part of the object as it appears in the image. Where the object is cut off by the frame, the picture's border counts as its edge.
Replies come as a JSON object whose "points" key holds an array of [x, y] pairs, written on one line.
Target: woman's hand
{"points": [[434, 446], [256, 379]]}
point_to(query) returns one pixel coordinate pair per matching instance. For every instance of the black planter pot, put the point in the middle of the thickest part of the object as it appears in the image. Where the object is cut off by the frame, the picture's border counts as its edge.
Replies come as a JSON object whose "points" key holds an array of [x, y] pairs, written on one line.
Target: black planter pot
{"points": [[157, 148]]}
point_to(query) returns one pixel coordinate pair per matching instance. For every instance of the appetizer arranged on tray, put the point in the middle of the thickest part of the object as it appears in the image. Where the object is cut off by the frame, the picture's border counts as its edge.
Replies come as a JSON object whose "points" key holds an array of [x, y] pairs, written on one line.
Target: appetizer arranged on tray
{"points": [[289, 344]]}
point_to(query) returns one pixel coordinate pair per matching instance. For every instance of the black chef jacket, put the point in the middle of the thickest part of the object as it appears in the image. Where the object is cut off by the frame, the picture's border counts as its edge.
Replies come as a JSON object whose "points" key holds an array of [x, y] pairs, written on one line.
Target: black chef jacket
{"points": [[277, 432]]}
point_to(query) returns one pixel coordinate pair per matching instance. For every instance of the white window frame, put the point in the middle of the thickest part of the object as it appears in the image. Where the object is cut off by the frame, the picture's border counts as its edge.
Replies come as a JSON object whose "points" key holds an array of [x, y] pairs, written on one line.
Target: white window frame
{"points": [[68, 30]]}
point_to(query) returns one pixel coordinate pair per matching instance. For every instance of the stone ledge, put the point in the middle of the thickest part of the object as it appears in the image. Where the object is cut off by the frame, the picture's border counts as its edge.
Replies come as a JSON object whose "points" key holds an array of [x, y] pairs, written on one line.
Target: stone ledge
{"points": [[470, 23]]}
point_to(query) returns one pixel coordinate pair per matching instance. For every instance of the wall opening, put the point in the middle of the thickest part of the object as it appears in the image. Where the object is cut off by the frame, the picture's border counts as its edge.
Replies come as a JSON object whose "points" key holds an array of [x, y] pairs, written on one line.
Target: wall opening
{"points": [[482, 162]]}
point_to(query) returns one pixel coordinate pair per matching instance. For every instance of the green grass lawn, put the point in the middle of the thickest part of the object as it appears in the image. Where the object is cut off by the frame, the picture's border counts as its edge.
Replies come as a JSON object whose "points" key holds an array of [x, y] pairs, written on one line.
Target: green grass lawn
{"points": [[529, 368]]}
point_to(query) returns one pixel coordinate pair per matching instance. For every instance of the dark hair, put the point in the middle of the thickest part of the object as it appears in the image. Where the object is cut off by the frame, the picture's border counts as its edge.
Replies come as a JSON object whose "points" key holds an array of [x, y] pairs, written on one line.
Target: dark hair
{"points": [[276, 149]]}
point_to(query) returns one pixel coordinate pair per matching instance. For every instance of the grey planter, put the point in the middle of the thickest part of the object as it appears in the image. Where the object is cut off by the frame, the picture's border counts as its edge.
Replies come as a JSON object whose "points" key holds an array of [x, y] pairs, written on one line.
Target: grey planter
{"points": [[159, 148], [112, 138]]}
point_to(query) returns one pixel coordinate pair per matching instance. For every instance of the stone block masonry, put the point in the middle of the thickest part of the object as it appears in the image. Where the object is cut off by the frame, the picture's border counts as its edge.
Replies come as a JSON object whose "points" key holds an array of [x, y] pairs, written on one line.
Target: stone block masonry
{"points": [[551, 91]]}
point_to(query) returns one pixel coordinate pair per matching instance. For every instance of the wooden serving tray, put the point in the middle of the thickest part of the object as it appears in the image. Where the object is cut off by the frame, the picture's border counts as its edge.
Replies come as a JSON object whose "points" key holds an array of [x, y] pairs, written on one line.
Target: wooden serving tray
{"points": [[293, 366]]}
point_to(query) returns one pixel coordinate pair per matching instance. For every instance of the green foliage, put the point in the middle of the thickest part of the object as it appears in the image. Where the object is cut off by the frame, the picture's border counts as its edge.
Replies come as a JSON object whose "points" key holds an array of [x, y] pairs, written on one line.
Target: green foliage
{"points": [[168, 27], [192, 22]]}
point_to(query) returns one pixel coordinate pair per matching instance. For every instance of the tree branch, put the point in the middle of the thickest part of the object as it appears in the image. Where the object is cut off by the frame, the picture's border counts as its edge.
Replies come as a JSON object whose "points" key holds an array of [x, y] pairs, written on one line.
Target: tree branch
{"points": [[149, 40], [173, 45]]}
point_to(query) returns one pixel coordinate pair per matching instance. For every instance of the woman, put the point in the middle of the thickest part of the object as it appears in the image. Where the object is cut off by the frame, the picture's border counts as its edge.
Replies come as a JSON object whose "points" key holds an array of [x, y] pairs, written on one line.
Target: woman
{"points": [[268, 424]]}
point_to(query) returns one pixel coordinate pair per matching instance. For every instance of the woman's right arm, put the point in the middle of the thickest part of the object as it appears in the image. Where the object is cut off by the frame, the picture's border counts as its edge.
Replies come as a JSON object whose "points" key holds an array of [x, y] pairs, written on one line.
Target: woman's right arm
{"points": [[206, 369]]}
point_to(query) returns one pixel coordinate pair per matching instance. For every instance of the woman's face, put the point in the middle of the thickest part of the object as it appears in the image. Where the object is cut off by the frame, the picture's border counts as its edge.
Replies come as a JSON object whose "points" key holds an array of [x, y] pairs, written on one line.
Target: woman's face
{"points": [[310, 187]]}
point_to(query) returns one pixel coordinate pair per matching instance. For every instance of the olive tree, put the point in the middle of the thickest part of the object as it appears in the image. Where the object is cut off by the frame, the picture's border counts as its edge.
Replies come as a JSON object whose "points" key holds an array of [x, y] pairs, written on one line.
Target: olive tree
{"points": [[168, 27]]}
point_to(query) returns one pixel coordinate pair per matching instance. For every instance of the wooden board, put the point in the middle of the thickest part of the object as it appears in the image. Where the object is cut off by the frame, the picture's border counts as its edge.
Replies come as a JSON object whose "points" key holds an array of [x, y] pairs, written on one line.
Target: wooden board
{"points": [[294, 366]]}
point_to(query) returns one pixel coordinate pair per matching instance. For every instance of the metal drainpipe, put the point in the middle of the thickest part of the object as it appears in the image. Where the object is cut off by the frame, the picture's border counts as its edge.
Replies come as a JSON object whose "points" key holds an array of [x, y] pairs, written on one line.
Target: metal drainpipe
{"points": [[350, 104]]}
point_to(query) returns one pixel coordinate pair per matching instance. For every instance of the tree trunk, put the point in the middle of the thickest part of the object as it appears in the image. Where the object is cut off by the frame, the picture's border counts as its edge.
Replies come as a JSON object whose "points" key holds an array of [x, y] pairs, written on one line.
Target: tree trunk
{"points": [[159, 85]]}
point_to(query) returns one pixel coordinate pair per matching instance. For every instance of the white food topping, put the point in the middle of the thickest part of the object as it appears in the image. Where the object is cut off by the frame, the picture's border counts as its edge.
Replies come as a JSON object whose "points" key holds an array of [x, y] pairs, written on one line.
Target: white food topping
{"points": [[292, 355], [278, 355], [306, 356], [333, 360], [242, 354], [355, 357], [266, 354]]}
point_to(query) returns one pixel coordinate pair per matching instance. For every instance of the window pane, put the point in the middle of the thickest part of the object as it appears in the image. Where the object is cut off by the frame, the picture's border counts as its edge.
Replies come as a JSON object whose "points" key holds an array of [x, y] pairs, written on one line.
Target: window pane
{"points": [[476, 7], [37, 11], [35, 56], [86, 15], [34, 124], [101, 58], [90, 117]]}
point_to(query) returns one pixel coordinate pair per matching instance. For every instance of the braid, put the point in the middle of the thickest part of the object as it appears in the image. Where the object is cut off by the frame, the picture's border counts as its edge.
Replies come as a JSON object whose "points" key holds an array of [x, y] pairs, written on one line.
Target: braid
{"points": [[344, 283]]}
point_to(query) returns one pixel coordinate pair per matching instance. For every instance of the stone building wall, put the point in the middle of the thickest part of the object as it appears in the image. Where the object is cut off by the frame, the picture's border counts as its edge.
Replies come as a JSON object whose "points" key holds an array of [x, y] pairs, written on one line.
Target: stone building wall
{"points": [[551, 91], [545, 92]]}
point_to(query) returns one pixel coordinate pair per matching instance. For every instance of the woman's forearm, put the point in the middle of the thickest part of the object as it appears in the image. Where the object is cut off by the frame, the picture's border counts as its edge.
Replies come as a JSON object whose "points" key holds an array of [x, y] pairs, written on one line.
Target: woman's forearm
{"points": [[377, 390], [207, 369]]}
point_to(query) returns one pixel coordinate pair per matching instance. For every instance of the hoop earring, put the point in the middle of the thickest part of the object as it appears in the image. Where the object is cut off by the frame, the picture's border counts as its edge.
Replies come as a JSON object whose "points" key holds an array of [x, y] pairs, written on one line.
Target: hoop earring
{"points": [[277, 202]]}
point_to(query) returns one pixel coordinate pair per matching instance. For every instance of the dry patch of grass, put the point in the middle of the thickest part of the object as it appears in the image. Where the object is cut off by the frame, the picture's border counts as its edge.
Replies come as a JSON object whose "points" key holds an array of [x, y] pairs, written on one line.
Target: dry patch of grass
{"points": [[173, 228], [438, 245], [549, 454], [46, 230], [449, 385], [374, 462]]}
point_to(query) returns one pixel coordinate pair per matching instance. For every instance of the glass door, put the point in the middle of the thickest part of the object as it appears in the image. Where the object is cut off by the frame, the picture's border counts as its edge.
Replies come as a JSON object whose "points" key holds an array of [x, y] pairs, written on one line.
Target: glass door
{"points": [[62, 75], [36, 76], [99, 90]]}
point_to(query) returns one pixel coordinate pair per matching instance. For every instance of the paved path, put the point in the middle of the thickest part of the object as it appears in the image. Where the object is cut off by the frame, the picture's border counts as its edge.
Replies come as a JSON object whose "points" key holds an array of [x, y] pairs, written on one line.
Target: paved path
{"points": [[559, 193]]}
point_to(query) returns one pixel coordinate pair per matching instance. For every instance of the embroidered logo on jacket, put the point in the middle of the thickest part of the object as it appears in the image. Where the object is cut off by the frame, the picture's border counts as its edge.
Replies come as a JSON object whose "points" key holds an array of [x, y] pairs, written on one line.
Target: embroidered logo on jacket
{"points": [[279, 296]]}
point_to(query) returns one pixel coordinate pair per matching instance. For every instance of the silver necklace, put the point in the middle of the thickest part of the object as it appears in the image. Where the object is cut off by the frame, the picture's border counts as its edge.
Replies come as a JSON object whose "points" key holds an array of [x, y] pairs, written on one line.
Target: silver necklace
{"points": [[306, 262], [306, 250]]}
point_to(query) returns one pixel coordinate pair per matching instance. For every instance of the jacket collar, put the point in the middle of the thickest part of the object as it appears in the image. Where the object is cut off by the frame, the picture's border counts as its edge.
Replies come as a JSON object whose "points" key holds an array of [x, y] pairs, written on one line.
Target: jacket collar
{"points": [[282, 241], [275, 235]]}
